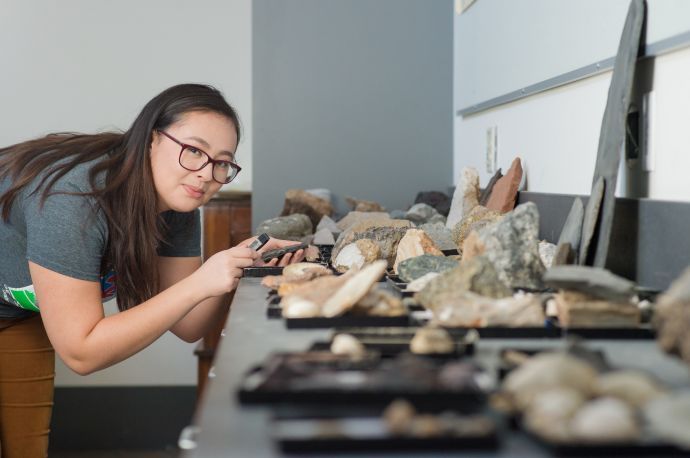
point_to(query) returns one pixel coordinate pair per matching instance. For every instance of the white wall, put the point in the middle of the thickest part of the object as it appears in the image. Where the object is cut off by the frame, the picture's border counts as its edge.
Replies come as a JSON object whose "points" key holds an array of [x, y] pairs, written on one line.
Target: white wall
{"points": [[91, 65]]}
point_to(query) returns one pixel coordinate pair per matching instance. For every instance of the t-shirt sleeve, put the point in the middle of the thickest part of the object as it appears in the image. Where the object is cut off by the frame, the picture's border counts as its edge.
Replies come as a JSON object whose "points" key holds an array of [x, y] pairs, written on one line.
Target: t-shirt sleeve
{"points": [[66, 234], [182, 235]]}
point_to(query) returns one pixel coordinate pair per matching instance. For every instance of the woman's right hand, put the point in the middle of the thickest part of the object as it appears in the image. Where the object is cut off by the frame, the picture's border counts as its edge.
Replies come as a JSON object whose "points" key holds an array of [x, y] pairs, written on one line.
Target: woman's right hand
{"points": [[221, 273]]}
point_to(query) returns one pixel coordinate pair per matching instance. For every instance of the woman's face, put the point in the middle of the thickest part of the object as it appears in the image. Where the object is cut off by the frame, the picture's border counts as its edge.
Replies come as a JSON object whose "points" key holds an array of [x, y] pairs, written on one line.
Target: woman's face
{"points": [[180, 189]]}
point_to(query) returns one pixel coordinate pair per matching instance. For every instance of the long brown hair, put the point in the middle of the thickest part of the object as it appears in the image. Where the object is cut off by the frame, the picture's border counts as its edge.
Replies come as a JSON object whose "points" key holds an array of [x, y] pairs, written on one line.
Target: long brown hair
{"points": [[128, 198]]}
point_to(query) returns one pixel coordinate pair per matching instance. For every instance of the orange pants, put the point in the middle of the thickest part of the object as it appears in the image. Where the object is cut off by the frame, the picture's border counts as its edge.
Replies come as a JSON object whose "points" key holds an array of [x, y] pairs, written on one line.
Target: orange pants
{"points": [[27, 375]]}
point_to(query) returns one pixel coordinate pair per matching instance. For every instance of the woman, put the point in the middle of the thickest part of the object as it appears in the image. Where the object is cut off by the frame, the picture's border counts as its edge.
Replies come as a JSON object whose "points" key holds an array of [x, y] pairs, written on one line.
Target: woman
{"points": [[85, 215]]}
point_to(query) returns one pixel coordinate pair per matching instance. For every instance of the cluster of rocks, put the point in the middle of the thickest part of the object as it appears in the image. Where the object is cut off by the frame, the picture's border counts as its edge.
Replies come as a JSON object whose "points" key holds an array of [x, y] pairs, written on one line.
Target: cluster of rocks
{"points": [[563, 398]]}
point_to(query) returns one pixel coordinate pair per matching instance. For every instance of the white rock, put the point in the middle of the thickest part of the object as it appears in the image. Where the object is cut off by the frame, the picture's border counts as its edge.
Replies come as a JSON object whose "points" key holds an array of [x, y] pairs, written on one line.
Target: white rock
{"points": [[465, 197], [347, 344], [605, 420], [418, 284], [354, 289], [298, 307], [635, 388]]}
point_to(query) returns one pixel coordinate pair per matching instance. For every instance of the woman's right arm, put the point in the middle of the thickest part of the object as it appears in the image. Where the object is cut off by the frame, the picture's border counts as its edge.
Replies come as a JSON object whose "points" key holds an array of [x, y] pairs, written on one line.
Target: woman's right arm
{"points": [[87, 341]]}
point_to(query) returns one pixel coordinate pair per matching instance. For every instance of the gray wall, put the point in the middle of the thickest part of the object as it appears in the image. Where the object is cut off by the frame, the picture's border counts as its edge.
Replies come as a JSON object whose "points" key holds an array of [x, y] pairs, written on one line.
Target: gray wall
{"points": [[352, 96]]}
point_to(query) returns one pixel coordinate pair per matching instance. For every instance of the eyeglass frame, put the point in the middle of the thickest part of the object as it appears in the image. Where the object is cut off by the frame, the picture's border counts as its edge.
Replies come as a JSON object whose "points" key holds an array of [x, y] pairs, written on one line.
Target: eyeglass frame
{"points": [[209, 159]]}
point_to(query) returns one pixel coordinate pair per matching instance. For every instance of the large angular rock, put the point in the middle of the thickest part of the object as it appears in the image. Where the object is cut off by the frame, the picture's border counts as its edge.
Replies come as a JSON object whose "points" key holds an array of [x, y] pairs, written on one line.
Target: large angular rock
{"points": [[328, 223], [465, 198], [355, 217], [414, 268], [354, 289], [386, 233], [292, 227], [512, 246], [439, 200], [359, 205], [415, 243], [440, 234], [589, 223], [593, 281], [356, 255], [504, 192], [300, 201], [477, 275], [572, 228], [478, 218], [323, 237]]}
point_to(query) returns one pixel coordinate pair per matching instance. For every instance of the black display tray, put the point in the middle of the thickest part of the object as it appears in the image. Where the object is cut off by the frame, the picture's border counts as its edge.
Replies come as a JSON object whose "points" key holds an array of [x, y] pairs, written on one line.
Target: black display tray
{"points": [[261, 271], [328, 379], [346, 321], [365, 434]]}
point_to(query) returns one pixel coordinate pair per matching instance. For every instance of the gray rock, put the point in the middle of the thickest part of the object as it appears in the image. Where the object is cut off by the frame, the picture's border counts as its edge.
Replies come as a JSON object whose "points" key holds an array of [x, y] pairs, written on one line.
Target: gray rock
{"points": [[413, 268], [385, 232], [327, 223], [420, 213], [476, 275], [324, 237], [593, 281], [398, 214], [512, 245], [547, 251], [440, 234], [572, 229], [291, 227], [321, 193], [439, 218], [589, 223]]}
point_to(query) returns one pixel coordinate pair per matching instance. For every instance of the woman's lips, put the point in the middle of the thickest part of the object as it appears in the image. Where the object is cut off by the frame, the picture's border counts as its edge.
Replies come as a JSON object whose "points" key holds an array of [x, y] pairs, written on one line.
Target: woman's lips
{"points": [[193, 191]]}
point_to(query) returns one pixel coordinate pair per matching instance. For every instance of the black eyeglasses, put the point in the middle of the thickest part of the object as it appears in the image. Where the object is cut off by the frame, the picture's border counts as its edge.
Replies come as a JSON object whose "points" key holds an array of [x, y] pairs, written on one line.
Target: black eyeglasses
{"points": [[195, 159]]}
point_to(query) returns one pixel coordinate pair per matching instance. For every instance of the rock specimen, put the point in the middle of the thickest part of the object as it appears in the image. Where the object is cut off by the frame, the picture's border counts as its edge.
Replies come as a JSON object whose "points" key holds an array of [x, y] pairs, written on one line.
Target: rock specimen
{"points": [[436, 199], [478, 218], [512, 246], [477, 276], [593, 281], [279, 252], [577, 310], [354, 289], [414, 243], [474, 311], [386, 233], [672, 318], [472, 246], [547, 251], [550, 411], [465, 198], [300, 201], [364, 205], [572, 229], [323, 237], [605, 420], [668, 418], [356, 217], [356, 255], [504, 192], [292, 227], [486, 193], [328, 223], [347, 344], [589, 223], [423, 213], [549, 370], [635, 388], [307, 299], [379, 302], [440, 234], [296, 273], [312, 254], [432, 340], [413, 268]]}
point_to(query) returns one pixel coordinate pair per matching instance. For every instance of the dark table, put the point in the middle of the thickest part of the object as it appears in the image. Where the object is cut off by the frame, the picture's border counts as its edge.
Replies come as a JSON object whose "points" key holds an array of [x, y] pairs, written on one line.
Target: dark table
{"points": [[228, 429]]}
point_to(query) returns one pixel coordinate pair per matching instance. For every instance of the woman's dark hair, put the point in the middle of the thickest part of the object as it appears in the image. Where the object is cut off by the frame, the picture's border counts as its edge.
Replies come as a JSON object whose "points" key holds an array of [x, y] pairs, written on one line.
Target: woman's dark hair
{"points": [[128, 198]]}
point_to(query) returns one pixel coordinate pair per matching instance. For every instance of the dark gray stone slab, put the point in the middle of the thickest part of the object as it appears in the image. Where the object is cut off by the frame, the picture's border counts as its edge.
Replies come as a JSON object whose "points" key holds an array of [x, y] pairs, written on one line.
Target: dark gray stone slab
{"points": [[594, 281], [572, 229], [612, 137]]}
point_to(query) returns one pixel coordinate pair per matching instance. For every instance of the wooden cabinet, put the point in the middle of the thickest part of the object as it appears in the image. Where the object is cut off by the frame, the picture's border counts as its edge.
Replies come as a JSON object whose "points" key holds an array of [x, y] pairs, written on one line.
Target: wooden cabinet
{"points": [[227, 220]]}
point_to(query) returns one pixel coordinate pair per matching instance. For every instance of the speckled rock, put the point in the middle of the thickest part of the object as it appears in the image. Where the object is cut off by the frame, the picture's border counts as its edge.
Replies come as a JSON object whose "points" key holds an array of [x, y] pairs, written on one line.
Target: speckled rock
{"points": [[512, 246], [477, 219], [547, 251], [292, 227], [355, 217], [414, 268], [386, 233]]}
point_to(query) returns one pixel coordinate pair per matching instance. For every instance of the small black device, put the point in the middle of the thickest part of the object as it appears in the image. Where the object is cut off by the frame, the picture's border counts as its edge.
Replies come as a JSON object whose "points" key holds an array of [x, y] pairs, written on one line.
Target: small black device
{"points": [[259, 242]]}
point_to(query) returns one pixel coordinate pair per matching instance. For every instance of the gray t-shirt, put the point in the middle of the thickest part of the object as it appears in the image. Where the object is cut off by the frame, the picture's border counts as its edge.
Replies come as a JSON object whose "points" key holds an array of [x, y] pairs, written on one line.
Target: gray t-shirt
{"points": [[68, 235]]}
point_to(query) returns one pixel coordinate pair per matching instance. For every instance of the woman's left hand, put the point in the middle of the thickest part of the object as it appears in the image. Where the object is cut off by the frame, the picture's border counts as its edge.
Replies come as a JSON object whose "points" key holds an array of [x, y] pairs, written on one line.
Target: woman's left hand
{"points": [[273, 244]]}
